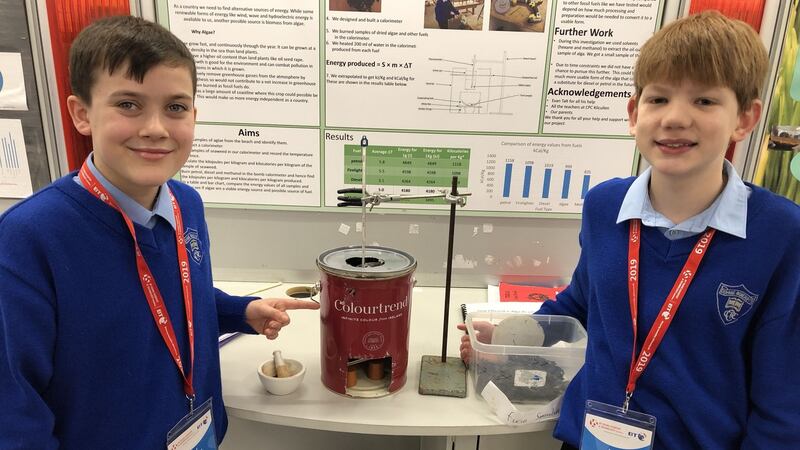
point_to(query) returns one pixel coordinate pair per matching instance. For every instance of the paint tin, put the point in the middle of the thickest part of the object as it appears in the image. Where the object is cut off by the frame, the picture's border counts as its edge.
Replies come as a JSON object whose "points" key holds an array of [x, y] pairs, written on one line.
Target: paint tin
{"points": [[365, 314]]}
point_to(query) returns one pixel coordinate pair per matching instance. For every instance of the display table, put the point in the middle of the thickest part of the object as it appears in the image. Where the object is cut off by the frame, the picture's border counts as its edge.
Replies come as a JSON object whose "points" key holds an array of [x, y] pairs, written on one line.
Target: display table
{"points": [[313, 406]]}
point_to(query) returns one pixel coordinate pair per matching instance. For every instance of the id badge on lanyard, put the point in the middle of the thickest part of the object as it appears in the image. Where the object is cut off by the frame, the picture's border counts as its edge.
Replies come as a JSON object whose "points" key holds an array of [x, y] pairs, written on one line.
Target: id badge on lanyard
{"points": [[610, 427], [195, 431]]}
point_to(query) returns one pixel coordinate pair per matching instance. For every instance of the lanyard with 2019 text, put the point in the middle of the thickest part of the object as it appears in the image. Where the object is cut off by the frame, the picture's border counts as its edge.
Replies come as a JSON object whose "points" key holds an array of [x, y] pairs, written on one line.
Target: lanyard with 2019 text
{"points": [[154, 299], [668, 309]]}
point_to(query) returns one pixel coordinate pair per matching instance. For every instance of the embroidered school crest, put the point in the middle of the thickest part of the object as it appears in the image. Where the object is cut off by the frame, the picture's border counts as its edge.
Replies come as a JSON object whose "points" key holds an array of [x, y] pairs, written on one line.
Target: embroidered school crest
{"points": [[193, 245], [734, 302]]}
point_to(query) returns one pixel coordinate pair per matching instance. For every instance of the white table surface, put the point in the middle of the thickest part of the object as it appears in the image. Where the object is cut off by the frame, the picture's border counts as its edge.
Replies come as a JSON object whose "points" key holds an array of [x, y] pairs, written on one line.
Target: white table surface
{"points": [[404, 412]]}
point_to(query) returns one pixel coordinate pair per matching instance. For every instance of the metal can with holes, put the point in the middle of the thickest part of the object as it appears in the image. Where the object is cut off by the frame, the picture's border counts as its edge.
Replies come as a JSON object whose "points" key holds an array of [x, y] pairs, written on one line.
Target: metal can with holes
{"points": [[365, 314]]}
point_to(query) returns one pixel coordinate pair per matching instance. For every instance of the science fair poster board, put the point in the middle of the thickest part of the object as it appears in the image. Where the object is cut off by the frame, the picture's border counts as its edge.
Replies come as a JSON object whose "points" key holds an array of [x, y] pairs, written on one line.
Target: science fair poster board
{"points": [[524, 101]]}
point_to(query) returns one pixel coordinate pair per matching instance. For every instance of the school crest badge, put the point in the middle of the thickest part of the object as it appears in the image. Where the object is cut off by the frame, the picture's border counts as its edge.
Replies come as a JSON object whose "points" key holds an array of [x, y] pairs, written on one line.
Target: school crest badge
{"points": [[194, 246], [733, 302]]}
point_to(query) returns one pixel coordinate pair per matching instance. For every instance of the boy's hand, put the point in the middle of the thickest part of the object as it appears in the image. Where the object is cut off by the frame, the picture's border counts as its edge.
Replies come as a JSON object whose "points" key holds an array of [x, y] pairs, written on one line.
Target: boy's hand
{"points": [[268, 315], [483, 332]]}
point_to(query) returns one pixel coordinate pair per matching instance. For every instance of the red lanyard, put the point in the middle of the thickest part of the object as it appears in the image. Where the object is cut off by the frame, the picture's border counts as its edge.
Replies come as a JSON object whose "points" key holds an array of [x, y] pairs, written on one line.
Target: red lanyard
{"points": [[668, 309], [154, 298]]}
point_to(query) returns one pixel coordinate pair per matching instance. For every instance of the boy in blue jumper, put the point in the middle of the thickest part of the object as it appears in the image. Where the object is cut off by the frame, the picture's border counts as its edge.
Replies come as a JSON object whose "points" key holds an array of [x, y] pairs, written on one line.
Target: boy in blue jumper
{"points": [[108, 317], [688, 232]]}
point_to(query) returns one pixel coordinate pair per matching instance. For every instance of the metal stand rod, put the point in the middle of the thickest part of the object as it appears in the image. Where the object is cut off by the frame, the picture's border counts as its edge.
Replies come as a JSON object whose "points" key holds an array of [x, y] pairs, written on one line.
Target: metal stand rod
{"points": [[451, 233], [364, 144]]}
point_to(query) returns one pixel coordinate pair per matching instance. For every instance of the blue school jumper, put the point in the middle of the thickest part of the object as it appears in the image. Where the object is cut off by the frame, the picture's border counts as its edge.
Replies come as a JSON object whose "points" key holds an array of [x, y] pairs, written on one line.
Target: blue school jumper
{"points": [[82, 365], [726, 373]]}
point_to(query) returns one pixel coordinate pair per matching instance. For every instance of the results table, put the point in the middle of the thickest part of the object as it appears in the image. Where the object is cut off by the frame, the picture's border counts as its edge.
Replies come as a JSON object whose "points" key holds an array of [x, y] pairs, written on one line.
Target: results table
{"points": [[408, 170]]}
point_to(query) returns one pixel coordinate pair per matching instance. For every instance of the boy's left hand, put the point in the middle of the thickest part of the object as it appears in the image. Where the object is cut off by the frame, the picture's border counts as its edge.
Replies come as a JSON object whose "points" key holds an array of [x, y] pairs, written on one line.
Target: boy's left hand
{"points": [[268, 315]]}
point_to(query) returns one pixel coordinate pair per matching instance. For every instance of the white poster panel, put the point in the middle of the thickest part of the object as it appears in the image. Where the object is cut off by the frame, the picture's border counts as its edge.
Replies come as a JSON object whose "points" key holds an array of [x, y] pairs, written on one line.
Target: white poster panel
{"points": [[595, 45], [257, 62], [255, 165]]}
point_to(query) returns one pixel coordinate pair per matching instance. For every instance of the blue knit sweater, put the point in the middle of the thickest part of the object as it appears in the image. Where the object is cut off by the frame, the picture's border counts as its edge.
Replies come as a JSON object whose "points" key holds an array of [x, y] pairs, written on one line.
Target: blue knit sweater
{"points": [[82, 365], [722, 378]]}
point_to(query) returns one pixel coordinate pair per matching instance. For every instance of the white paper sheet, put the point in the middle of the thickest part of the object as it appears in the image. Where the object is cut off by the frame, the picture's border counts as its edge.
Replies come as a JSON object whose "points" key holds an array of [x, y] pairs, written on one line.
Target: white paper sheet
{"points": [[15, 178], [510, 415], [12, 82]]}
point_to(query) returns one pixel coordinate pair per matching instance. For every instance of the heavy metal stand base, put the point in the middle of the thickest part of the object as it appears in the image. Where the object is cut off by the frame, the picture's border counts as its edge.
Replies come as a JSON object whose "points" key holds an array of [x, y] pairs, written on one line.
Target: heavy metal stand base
{"points": [[447, 378]]}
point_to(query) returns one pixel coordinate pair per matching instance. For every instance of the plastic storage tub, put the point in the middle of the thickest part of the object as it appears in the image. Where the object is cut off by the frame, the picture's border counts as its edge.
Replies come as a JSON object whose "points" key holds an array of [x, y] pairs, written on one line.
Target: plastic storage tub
{"points": [[533, 357]]}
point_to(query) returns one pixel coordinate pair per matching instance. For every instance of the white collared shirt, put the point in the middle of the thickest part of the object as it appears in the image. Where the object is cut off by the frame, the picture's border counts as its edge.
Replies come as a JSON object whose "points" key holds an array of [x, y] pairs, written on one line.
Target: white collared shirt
{"points": [[728, 212], [137, 213]]}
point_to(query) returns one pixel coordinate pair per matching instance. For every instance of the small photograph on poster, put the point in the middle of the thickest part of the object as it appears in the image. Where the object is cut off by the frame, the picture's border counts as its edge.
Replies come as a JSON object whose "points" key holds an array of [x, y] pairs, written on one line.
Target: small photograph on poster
{"points": [[518, 15], [355, 5], [454, 14]]}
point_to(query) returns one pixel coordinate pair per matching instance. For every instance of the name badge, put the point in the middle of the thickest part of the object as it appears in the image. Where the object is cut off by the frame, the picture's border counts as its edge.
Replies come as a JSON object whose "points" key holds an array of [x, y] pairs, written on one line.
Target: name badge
{"points": [[608, 427], [195, 431]]}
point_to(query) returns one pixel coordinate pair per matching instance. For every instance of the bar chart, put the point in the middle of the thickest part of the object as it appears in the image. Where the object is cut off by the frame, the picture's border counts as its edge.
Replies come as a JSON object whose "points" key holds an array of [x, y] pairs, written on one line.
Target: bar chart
{"points": [[9, 159], [543, 181], [15, 179]]}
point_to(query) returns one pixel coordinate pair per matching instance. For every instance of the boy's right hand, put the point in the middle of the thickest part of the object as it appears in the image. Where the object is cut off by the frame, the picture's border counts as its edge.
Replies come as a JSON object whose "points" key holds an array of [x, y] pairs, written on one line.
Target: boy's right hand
{"points": [[483, 332], [268, 315]]}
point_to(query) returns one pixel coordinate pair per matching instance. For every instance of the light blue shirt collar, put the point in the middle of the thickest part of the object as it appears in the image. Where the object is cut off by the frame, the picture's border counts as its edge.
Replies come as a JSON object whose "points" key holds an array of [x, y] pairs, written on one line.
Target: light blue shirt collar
{"points": [[728, 213], [137, 213]]}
